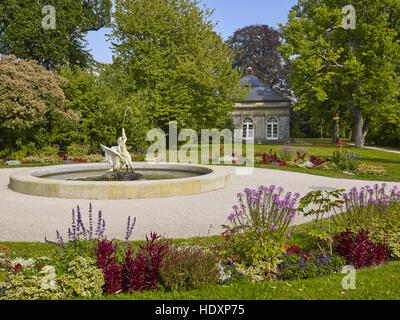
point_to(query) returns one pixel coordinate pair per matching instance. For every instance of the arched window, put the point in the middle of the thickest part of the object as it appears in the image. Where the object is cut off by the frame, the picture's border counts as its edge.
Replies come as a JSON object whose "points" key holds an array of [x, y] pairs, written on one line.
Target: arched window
{"points": [[272, 129], [248, 129]]}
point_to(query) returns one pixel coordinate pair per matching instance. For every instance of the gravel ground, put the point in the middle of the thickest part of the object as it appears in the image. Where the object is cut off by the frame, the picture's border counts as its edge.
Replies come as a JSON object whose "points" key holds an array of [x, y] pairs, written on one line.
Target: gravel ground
{"points": [[31, 218]]}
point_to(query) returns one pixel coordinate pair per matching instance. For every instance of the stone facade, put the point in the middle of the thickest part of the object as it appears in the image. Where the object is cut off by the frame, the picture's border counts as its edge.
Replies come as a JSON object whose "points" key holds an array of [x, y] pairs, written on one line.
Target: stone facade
{"points": [[264, 115]]}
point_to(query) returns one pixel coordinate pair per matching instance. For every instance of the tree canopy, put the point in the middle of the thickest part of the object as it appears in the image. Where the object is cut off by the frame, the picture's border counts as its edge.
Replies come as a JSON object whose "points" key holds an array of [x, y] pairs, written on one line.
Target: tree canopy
{"points": [[168, 49], [353, 68], [22, 33], [32, 102]]}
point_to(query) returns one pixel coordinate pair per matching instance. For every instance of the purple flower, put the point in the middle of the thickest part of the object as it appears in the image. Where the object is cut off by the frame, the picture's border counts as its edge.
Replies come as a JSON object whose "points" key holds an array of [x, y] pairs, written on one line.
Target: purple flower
{"points": [[232, 217], [273, 227], [260, 230]]}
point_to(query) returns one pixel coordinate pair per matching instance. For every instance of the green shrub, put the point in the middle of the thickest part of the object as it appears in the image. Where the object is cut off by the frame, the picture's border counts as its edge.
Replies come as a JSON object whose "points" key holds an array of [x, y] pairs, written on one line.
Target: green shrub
{"points": [[286, 153], [258, 228], [329, 165], [50, 150], [365, 169], [301, 266], [75, 150], [188, 268], [83, 279], [372, 209], [33, 282]]}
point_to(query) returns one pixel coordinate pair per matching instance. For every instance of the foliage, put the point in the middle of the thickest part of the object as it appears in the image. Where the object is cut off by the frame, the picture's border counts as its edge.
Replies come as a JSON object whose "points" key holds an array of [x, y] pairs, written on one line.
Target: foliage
{"points": [[186, 75], [374, 210], [264, 209], [187, 268], [329, 165], [22, 34], [75, 150], [345, 160], [257, 46], [317, 161], [106, 261], [81, 279], [359, 250], [268, 158], [338, 67], [301, 266], [320, 203], [83, 240], [143, 271], [302, 153], [286, 153], [364, 169], [367, 206], [258, 227], [32, 104]]}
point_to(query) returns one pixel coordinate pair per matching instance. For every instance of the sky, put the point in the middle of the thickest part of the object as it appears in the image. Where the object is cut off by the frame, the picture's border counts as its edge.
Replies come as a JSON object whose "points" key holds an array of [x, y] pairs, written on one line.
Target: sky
{"points": [[230, 14]]}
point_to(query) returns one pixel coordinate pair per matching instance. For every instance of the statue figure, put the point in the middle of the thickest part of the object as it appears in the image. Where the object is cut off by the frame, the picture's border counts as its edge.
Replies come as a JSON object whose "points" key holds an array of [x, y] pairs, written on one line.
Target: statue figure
{"points": [[118, 156]]}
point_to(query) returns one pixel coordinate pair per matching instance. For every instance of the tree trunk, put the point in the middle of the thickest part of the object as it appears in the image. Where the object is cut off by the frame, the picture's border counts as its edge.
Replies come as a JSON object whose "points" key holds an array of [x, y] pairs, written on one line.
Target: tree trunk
{"points": [[335, 134], [321, 127], [360, 129]]}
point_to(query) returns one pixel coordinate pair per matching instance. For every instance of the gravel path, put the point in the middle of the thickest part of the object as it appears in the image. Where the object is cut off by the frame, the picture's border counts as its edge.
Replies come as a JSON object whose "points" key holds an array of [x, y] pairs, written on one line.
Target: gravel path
{"points": [[31, 218], [378, 149]]}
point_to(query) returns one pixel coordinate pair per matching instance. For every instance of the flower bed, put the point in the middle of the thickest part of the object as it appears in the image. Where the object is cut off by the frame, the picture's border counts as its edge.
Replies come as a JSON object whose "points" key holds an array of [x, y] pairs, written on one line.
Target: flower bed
{"points": [[256, 246], [342, 161]]}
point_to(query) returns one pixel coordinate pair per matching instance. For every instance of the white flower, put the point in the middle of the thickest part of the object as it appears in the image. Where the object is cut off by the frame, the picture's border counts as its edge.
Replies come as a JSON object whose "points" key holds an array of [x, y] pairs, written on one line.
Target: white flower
{"points": [[224, 275], [26, 264], [307, 164]]}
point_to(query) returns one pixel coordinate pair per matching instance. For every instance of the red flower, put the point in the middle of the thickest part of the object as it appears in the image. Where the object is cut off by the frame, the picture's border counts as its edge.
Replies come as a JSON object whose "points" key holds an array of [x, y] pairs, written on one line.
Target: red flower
{"points": [[5, 248], [322, 239], [17, 266], [340, 142], [336, 150], [309, 239], [41, 266]]}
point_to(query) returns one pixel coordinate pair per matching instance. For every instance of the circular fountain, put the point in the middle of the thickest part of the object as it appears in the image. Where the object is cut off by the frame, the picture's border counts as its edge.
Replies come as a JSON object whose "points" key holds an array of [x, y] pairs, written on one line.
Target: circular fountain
{"points": [[80, 181]]}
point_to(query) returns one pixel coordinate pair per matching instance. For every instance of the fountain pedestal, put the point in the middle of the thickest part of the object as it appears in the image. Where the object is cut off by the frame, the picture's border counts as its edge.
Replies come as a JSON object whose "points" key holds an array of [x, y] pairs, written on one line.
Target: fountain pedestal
{"points": [[121, 176]]}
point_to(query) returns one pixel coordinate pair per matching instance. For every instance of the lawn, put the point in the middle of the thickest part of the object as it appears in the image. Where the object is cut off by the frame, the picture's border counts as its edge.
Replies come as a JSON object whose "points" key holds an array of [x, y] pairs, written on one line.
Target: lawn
{"points": [[323, 148], [381, 282]]}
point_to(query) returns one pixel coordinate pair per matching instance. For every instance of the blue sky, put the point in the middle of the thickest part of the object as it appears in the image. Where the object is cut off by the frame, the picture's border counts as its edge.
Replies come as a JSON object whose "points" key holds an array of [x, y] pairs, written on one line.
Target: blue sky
{"points": [[231, 14]]}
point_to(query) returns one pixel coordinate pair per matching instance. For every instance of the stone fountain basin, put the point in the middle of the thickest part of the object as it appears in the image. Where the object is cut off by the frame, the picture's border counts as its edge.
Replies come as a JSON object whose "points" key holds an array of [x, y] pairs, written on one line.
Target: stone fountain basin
{"points": [[30, 181]]}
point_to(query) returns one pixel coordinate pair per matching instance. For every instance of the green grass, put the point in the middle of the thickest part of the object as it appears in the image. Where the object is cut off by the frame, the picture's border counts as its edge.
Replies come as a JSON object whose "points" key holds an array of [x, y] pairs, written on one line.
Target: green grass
{"points": [[378, 283], [324, 148], [373, 283]]}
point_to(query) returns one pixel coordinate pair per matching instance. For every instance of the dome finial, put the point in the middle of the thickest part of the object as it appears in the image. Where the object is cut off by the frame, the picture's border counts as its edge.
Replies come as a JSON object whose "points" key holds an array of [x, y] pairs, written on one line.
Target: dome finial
{"points": [[249, 71]]}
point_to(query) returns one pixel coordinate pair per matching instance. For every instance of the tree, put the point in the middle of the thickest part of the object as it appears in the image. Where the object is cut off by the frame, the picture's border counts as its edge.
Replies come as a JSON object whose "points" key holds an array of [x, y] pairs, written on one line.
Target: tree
{"points": [[102, 100], [358, 68], [168, 50], [257, 46], [22, 33], [32, 102]]}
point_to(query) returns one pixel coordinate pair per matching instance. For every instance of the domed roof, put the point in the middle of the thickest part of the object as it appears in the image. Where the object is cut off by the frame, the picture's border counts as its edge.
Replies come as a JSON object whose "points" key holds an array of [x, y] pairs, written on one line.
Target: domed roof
{"points": [[259, 91]]}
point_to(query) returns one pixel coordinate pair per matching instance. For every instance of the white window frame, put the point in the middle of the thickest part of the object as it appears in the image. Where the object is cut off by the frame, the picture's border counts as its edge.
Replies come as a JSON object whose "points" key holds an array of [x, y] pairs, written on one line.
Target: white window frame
{"points": [[273, 124], [248, 129]]}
